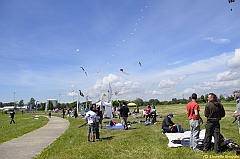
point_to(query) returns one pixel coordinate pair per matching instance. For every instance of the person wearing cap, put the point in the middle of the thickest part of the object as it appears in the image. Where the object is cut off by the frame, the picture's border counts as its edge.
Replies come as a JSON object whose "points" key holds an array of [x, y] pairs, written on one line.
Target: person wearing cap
{"points": [[90, 118], [236, 114], [194, 121], [167, 122], [214, 111]]}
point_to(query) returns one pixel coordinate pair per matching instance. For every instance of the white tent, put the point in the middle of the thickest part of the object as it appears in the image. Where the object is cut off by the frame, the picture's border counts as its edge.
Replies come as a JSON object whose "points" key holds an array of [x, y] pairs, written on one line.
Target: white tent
{"points": [[54, 102], [108, 108]]}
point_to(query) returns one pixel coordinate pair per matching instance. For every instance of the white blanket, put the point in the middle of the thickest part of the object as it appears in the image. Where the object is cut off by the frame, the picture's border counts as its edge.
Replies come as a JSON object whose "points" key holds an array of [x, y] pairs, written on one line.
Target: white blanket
{"points": [[180, 136]]}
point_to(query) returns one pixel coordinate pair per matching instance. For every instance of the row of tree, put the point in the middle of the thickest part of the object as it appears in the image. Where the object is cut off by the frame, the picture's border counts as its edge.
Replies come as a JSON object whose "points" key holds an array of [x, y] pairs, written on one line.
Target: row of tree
{"points": [[115, 103]]}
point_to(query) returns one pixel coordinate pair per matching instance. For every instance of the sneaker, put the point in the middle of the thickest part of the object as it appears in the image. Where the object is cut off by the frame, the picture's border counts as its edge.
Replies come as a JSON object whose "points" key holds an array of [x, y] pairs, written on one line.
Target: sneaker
{"points": [[89, 141], [93, 141]]}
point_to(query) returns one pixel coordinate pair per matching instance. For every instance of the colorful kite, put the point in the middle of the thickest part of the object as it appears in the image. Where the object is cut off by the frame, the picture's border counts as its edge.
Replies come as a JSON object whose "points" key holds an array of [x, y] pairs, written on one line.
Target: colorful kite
{"points": [[123, 71]]}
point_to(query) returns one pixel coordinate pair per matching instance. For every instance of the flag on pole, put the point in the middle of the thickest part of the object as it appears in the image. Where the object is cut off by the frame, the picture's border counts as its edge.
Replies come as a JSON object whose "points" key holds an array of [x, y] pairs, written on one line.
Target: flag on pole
{"points": [[30, 109], [36, 105], [81, 94]]}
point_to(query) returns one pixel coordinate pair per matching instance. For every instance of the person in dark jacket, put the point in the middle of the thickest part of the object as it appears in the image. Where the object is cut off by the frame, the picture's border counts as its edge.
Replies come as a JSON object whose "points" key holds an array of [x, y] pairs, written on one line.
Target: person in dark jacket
{"points": [[214, 111], [12, 114], [166, 123], [75, 113], [123, 112]]}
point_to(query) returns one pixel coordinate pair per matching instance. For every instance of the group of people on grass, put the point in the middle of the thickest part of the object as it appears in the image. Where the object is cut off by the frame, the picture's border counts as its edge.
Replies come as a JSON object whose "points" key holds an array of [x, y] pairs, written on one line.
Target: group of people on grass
{"points": [[150, 114], [214, 111], [94, 118]]}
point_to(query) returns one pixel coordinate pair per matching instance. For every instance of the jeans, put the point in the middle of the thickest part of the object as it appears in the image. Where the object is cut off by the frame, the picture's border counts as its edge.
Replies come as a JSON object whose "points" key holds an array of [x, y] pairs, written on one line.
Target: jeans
{"points": [[194, 136], [212, 129], [153, 118]]}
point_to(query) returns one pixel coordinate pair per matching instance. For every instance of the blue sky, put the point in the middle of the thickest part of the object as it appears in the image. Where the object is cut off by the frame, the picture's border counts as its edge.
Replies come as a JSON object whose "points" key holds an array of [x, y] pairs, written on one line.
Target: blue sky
{"points": [[184, 47]]}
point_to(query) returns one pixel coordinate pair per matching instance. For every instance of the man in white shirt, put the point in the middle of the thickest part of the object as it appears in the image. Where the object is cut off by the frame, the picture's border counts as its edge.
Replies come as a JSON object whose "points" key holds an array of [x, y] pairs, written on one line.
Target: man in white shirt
{"points": [[90, 118]]}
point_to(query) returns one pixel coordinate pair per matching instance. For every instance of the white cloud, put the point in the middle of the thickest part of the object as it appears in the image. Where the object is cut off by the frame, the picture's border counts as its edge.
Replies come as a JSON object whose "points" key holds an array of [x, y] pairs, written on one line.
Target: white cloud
{"points": [[174, 63], [168, 86], [235, 61], [218, 41], [201, 66]]}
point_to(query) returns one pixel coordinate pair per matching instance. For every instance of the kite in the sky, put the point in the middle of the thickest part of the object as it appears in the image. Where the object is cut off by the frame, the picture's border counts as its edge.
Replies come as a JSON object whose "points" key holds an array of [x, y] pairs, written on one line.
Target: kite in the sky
{"points": [[98, 72], [123, 71], [84, 71], [140, 64], [77, 50], [82, 68]]}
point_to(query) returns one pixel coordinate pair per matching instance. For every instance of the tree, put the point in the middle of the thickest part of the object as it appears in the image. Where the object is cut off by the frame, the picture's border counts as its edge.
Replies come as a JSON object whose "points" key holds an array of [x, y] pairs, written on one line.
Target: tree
{"points": [[139, 102], [174, 101], [21, 103], [32, 101], [221, 97], [206, 97]]}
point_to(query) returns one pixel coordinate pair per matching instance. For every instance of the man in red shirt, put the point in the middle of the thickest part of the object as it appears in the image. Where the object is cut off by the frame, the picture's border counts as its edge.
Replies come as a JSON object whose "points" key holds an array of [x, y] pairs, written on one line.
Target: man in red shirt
{"points": [[194, 120]]}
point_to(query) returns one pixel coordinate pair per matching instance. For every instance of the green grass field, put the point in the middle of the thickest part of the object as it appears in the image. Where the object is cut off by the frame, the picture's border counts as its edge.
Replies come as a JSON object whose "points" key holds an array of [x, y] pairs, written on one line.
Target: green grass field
{"points": [[140, 141], [24, 123]]}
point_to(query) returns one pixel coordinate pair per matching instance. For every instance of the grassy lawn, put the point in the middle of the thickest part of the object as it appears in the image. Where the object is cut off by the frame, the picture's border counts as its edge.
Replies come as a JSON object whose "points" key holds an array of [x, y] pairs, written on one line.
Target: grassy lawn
{"points": [[140, 141], [24, 123]]}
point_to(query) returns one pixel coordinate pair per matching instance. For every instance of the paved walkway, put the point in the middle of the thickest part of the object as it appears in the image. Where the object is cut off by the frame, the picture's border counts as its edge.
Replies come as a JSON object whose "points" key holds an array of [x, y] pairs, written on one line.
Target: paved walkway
{"points": [[33, 143]]}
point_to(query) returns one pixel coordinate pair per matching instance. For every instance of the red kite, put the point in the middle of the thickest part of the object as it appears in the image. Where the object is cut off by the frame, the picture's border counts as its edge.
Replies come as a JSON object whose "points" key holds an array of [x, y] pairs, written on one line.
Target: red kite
{"points": [[123, 71]]}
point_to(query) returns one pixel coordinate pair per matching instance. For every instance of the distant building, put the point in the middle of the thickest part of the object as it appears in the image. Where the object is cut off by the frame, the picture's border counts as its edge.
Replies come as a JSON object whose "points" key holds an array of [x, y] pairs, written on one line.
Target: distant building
{"points": [[12, 107]]}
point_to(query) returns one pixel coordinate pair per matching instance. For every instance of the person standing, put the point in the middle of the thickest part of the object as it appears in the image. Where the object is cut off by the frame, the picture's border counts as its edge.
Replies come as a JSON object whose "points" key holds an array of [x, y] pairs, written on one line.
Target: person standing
{"points": [[63, 113], [12, 114], [194, 121], [90, 118], [123, 113], [153, 114], [236, 114], [97, 111], [75, 113], [214, 111], [49, 113], [148, 113]]}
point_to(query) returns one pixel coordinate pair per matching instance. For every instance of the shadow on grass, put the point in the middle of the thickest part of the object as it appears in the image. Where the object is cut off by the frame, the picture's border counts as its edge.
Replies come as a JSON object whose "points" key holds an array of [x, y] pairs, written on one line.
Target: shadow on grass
{"points": [[107, 138]]}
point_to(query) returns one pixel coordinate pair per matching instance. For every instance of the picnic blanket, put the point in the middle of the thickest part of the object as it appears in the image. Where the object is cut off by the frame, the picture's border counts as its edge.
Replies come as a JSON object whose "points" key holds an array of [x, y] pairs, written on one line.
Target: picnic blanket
{"points": [[117, 126], [183, 138]]}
